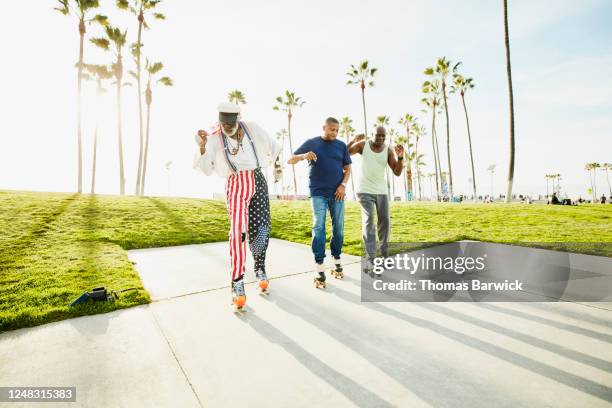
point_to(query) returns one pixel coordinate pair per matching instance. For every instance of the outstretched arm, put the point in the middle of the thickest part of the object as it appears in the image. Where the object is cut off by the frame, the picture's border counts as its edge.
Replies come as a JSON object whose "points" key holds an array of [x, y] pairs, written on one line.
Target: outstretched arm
{"points": [[356, 145], [299, 157], [396, 164]]}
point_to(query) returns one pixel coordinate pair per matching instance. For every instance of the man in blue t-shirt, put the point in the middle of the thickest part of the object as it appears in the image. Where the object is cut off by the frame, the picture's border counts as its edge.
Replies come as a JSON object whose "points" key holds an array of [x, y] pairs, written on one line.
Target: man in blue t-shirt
{"points": [[330, 169]]}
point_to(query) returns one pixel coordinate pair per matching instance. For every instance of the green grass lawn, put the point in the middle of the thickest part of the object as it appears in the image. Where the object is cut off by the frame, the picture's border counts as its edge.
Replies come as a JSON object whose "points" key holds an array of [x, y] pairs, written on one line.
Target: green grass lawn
{"points": [[55, 246]]}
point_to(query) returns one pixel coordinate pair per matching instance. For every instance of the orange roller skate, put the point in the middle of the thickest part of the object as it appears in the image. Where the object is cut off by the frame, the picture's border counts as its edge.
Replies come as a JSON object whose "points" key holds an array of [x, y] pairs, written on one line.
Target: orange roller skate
{"points": [[238, 295], [263, 282]]}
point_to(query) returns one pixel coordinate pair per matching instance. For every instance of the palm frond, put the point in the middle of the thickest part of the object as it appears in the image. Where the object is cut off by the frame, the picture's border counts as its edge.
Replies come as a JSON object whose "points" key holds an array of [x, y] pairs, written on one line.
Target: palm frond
{"points": [[122, 4], [167, 81], [151, 4], [155, 68], [100, 19], [64, 7], [100, 42]]}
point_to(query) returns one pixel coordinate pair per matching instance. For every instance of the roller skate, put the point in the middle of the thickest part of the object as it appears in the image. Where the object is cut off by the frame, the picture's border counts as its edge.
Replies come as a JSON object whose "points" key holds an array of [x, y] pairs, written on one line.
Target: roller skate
{"points": [[336, 270], [319, 280], [238, 295], [367, 266], [263, 282]]}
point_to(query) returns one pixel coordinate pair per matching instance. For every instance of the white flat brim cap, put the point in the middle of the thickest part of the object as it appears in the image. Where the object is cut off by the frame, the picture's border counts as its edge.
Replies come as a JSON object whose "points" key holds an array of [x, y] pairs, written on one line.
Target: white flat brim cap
{"points": [[228, 112]]}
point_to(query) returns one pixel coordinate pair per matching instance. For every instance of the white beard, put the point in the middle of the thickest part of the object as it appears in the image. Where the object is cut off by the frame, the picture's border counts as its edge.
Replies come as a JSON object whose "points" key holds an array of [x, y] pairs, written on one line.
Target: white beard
{"points": [[232, 133]]}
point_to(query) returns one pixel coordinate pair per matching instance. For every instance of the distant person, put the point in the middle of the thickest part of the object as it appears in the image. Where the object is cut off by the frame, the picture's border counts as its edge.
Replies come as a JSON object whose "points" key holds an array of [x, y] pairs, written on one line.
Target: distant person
{"points": [[237, 151], [555, 199], [330, 169], [372, 192], [603, 199]]}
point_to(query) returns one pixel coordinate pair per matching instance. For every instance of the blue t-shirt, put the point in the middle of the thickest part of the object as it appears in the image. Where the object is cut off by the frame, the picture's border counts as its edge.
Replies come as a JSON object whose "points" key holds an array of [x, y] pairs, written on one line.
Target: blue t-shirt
{"points": [[327, 172]]}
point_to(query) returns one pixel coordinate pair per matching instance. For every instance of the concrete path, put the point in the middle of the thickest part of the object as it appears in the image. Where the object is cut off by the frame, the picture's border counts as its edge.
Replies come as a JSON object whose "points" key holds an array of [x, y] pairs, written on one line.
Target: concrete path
{"points": [[305, 347]]}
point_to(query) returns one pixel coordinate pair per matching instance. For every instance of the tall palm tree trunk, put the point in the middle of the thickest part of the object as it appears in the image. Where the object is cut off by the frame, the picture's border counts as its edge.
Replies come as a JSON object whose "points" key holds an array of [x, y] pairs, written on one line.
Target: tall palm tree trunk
{"points": [[120, 141], [467, 122], [149, 99], [365, 118], [450, 171], [291, 148], [93, 170], [79, 126], [609, 186], [407, 181], [511, 98], [433, 145], [139, 180], [593, 191], [418, 170], [439, 160]]}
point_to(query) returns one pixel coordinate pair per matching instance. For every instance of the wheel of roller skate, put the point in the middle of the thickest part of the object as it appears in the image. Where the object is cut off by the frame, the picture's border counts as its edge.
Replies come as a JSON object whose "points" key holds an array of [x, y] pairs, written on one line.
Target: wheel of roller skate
{"points": [[263, 285], [239, 302]]}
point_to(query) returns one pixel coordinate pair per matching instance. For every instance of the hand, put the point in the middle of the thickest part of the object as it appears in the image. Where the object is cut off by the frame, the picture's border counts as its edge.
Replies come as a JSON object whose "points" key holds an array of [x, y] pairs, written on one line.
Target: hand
{"points": [[203, 136], [340, 193], [399, 150], [310, 156], [359, 138], [278, 172]]}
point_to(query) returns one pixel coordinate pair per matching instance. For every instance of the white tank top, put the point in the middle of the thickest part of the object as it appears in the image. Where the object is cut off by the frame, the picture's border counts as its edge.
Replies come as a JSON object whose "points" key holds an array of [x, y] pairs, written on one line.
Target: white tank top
{"points": [[373, 168]]}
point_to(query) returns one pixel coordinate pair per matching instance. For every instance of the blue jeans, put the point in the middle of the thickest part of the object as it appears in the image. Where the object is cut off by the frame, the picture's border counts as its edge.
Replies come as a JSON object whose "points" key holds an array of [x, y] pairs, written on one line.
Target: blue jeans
{"points": [[320, 205]]}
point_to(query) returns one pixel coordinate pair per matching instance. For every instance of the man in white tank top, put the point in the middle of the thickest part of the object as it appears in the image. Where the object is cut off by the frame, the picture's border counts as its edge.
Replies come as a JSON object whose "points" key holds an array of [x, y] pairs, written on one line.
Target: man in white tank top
{"points": [[372, 192]]}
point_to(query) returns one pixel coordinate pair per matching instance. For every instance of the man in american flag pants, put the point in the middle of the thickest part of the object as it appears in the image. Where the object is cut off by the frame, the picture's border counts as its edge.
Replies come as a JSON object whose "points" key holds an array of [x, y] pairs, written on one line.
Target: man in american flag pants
{"points": [[237, 151]]}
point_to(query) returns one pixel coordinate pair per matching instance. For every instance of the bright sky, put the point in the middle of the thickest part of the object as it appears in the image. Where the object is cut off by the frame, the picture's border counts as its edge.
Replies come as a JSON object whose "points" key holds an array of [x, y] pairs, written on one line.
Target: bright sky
{"points": [[561, 57]]}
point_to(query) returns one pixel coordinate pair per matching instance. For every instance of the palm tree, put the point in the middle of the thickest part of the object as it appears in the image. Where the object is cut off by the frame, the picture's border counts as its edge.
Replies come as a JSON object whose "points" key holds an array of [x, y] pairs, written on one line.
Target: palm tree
{"points": [[418, 162], [152, 70], [557, 177], [441, 71], [393, 135], [433, 177], [100, 73], [138, 8], [511, 98], [407, 121], [418, 130], [362, 75], [410, 157], [431, 89], [606, 167], [462, 85], [347, 131], [592, 169], [547, 177], [80, 9], [288, 104], [281, 135], [236, 97], [118, 39]]}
